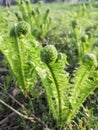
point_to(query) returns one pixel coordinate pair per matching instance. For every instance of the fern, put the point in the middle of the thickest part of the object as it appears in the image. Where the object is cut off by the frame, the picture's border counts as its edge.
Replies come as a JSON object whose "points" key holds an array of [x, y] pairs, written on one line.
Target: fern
{"points": [[25, 9], [39, 21], [84, 82], [24, 56], [56, 84], [27, 59], [65, 99], [20, 53]]}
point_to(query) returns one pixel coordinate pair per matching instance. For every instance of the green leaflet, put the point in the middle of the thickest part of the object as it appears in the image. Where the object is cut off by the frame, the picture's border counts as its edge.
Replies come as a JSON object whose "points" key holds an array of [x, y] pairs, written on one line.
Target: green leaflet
{"points": [[20, 55], [62, 87], [85, 81]]}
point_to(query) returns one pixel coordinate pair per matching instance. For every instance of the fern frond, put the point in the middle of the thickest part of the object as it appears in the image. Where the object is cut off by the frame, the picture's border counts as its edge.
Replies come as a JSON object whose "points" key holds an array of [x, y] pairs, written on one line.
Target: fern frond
{"points": [[84, 82], [56, 84], [20, 55], [62, 87]]}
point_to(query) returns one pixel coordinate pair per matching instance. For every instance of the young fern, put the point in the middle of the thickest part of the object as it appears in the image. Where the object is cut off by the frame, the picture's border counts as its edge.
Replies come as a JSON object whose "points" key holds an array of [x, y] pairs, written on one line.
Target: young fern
{"points": [[84, 82], [39, 21], [20, 51], [27, 58], [56, 83], [21, 28], [65, 99]]}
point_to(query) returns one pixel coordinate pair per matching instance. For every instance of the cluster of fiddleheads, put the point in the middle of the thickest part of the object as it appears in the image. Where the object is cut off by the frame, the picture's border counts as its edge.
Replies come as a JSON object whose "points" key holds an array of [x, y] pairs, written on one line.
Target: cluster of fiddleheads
{"points": [[65, 98]]}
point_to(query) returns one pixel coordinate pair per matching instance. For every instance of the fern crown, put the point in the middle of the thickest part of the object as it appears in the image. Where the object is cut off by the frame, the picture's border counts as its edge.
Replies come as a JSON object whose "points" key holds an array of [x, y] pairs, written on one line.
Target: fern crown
{"points": [[21, 28], [90, 59], [49, 54]]}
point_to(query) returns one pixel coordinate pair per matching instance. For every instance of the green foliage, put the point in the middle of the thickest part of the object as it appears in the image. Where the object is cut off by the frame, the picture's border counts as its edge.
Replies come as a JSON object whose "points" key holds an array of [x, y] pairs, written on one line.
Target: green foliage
{"points": [[20, 53], [64, 98], [27, 59], [56, 85], [39, 21], [70, 96], [84, 82]]}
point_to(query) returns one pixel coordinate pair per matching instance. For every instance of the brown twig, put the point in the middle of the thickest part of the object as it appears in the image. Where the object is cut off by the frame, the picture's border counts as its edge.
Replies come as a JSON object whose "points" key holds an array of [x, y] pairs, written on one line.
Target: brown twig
{"points": [[21, 105], [7, 118], [4, 70], [32, 118], [17, 112]]}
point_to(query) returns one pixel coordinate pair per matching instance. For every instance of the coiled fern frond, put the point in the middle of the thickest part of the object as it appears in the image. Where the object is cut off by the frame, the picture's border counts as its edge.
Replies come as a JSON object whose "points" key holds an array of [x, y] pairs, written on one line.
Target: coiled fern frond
{"points": [[84, 82], [21, 52], [21, 28], [56, 83], [49, 54]]}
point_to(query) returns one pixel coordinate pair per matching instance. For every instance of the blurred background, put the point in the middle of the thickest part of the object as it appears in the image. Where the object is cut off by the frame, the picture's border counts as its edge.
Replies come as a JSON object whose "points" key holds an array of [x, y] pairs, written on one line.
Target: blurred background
{"points": [[3, 2]]}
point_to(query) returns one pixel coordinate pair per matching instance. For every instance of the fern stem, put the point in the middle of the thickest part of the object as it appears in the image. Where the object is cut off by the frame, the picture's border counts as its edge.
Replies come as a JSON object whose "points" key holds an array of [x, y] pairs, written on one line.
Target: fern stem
{"points": [[21, 64], [57, 87]]}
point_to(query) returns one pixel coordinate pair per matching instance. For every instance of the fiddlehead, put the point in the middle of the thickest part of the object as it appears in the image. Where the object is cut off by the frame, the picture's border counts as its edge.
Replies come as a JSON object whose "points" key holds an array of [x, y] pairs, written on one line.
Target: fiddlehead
{"points": [[21, 28], [49, 54], [21, 52], [89, 60]]}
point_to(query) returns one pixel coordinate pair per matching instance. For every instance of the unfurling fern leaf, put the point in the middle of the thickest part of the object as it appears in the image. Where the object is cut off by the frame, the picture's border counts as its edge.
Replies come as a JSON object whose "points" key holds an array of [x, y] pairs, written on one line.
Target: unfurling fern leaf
{"points": [[49, 54], [56, 83], [84, 82], [21, 28], [89, 60], [20, 55]]}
